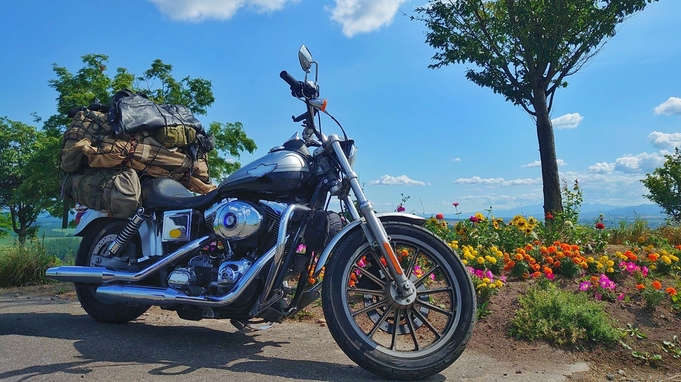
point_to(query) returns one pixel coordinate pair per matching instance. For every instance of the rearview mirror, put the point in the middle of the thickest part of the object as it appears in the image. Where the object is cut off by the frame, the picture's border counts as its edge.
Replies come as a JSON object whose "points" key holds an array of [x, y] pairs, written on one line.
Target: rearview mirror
{"points": [[305, 58]]}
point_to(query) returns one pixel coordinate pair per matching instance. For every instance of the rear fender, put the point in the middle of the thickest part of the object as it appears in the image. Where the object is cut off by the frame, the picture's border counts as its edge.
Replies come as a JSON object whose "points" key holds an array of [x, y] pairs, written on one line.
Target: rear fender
{"points": [[361, 224], [151, 242]]}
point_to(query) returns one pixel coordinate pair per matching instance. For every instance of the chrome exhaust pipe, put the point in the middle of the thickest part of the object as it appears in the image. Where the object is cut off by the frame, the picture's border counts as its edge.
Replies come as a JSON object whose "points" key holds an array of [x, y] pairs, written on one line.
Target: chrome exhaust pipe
{"points": [[100, 275], [169, 296]]}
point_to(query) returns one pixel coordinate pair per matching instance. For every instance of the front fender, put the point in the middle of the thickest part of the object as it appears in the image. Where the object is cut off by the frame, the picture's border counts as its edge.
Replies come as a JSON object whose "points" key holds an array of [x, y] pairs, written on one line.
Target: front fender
{"points": [[357, 224]]}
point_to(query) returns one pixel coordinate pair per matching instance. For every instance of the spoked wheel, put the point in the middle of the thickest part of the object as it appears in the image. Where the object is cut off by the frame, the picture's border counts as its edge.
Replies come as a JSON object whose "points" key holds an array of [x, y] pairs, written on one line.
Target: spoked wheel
{"points": [[92, 252], [388, 334]]}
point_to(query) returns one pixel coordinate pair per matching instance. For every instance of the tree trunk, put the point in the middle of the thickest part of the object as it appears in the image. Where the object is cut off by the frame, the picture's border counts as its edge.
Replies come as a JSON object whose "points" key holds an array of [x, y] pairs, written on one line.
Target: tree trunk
{"points": [[547, 154]]}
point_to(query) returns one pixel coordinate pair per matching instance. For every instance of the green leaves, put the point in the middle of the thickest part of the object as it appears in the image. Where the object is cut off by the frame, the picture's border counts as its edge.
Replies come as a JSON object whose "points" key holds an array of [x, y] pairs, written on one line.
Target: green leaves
{"points": [[664, 185]]}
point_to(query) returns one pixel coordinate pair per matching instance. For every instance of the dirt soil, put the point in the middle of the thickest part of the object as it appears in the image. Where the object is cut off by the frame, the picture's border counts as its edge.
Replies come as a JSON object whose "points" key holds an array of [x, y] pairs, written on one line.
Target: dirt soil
{"points": [[614, 363]]}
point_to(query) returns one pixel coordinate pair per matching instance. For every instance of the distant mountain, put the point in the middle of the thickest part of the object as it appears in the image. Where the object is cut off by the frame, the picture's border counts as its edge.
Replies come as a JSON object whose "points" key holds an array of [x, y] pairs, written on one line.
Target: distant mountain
{"points": [[588, 211]]}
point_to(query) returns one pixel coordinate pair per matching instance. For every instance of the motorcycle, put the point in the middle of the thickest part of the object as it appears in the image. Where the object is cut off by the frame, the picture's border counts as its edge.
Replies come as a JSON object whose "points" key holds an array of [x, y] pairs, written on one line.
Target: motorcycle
{"points": [[267, 243]]}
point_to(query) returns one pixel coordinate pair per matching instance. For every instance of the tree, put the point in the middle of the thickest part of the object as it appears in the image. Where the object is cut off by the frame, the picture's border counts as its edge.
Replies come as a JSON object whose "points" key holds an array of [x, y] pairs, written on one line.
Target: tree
{"points": [[664, 185], [91, 83], [524, 50], [21, 191]]}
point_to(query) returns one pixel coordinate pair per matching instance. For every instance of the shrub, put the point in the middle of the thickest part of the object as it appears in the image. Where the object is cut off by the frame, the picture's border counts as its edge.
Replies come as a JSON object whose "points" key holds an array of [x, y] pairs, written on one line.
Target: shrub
{"points": [[21, 265], [562, 318]]}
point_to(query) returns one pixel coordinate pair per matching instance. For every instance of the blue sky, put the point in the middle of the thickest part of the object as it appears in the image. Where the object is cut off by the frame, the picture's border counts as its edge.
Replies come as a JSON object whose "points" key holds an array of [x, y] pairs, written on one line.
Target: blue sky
{"points": [[428, 134]]}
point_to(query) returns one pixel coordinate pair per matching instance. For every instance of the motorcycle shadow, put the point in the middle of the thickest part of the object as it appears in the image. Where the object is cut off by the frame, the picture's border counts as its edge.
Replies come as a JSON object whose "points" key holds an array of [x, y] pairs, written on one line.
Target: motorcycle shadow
{"points": [[166, 346]]}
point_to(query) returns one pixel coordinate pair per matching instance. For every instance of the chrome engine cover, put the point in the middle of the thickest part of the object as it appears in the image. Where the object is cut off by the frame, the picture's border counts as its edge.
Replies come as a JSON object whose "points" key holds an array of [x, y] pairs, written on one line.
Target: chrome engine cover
{"points": [[237, 220]]}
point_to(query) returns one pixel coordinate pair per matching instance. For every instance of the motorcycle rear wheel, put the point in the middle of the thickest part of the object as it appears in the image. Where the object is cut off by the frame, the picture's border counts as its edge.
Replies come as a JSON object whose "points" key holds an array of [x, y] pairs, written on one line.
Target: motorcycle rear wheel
{"points": [[385, 334], [95, 242]]}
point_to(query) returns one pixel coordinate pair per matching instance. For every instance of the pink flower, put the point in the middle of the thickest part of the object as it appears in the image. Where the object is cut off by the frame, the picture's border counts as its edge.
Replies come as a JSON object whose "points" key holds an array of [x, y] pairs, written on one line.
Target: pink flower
{"points": [[455, 204], [550, 276], [620, 297], [585, 285], [401, 208], [644, 271], [474, 219]]}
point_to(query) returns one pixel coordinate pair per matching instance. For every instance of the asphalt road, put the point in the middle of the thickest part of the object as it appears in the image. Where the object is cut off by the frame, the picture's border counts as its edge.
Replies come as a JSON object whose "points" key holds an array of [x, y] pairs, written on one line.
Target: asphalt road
{"points": [[52, 339]]}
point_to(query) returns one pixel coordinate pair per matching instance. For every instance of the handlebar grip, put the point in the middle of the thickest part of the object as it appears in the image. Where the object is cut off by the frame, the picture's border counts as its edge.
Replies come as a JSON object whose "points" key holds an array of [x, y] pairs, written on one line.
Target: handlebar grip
{"points": [[295, 84]]}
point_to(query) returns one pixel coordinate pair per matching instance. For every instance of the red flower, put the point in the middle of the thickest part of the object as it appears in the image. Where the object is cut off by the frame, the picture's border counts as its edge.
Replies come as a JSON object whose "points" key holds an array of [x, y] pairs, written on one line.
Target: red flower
{"points": [[439, 216], [600, 225], [455, 204], [474, 219], [549, 216]]}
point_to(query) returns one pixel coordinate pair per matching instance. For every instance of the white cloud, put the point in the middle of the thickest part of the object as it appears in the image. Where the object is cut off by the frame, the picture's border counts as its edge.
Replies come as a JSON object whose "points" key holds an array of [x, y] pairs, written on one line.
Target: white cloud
{"points": [[602, 168], [567, 121], [199, 10], [402, 180], [670, 106], [640, 163], [664, 141], [498, 181], [538, 163], [456, 160], [363, 16]]}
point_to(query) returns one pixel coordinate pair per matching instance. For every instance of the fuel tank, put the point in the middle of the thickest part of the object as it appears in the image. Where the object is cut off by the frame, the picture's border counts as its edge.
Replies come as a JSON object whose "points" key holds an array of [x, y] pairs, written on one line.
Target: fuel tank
{"points": [[281, 175]]}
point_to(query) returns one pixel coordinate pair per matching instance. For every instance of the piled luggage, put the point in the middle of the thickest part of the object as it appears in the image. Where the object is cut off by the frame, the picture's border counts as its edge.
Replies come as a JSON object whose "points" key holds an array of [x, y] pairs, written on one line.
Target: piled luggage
{"points": [[105, 154]]}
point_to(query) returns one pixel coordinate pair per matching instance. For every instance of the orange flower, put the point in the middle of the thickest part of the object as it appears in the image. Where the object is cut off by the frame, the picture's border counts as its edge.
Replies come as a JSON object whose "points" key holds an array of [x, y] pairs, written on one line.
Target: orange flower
{"points": [[529, 247], [671, 291], [556, 264], [536, 275], [656, 284], [653, 256], [640, 286], [552, 249], [518, 256]]}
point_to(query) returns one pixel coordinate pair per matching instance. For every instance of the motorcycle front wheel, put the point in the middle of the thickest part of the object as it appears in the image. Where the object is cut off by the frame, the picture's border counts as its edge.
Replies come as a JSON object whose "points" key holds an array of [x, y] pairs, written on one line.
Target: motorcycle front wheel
{"points": [[386, 334]]}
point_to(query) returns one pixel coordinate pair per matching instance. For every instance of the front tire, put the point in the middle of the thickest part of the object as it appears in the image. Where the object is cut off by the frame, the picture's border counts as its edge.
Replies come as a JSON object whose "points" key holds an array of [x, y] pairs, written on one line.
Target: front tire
{"points": [[386, 335], [96, 242]]}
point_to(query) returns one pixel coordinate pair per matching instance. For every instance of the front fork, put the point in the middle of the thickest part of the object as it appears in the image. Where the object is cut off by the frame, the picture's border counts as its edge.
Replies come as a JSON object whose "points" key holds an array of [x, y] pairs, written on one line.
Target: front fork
{"points": [[402, 289]]}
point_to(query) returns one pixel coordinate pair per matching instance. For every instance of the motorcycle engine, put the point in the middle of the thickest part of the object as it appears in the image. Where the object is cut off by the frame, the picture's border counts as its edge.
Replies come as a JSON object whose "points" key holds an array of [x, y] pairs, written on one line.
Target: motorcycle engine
{"points": [[236, 220]]}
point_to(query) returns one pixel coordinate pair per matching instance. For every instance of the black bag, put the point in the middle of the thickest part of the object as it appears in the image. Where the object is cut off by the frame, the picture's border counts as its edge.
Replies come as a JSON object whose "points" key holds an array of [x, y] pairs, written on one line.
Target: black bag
{"points": [[134, 113]]}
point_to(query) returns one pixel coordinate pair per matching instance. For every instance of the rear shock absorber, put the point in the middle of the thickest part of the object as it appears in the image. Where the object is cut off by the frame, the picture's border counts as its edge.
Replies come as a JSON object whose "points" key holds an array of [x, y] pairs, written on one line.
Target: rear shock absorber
{"points": [[128, 232]]}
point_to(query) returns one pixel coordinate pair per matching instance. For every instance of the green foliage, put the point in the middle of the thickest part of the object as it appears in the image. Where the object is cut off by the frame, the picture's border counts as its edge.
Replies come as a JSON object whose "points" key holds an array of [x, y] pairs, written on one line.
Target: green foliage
{"points": [[562, 318], [22, 265], [23, 157], [230, 138], [664, 185]]}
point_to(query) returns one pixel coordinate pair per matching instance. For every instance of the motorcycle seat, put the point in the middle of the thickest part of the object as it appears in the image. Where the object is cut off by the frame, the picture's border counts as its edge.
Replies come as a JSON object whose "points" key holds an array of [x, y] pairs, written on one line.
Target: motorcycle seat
{"points": [[166, 194]]}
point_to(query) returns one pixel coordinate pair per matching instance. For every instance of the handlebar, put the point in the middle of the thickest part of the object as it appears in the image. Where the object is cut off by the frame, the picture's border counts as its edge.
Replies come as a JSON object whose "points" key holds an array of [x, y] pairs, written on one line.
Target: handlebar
{"points": [[296, 86]]}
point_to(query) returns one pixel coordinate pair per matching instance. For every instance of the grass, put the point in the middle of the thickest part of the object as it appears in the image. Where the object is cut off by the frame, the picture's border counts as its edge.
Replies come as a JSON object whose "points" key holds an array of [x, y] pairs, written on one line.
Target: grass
{"points": [[562, 318], [25, 265]]}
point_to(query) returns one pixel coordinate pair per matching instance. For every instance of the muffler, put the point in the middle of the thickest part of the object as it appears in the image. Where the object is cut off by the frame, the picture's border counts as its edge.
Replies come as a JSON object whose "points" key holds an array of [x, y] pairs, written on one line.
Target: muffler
{"points": [[100, 275]]}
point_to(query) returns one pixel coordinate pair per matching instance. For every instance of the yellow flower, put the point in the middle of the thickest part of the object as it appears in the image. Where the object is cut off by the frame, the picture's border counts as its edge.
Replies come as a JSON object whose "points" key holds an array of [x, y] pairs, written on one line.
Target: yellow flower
{"points": [[665, 259], [498, 283], [481, 260], [590, 260], [610, 263], [610, 270]]}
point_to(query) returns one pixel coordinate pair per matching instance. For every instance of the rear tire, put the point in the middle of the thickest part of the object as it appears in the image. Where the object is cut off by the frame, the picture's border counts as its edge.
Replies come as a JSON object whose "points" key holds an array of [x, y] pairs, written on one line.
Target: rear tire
{"points": [[405, 341], [95, 242]]}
